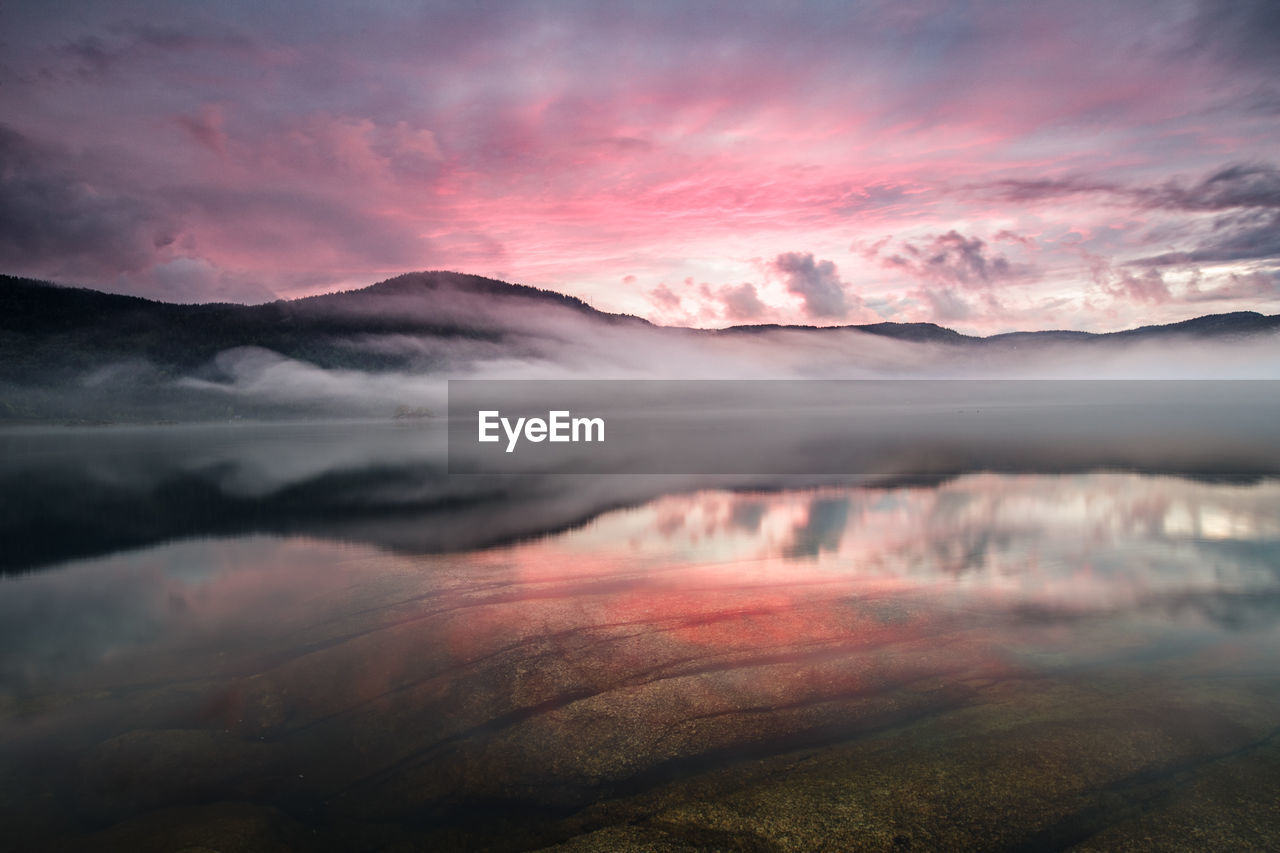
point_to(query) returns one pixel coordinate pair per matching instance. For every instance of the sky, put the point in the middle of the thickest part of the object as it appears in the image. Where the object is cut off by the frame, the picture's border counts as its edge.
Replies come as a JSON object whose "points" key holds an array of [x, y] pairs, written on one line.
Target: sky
{"points": [[987, 166]]}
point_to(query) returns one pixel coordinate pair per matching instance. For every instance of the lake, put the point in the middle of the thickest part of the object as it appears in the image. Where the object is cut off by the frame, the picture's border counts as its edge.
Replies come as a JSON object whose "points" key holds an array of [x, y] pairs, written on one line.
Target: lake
{"points": [[311, 637]]}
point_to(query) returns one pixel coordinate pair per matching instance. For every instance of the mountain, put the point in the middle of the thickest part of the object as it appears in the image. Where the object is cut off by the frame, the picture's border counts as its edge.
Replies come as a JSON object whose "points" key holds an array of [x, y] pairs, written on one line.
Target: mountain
{"points": [[63, 323], [1209, 326], [47, 327], [80, 354], [899, 331]]}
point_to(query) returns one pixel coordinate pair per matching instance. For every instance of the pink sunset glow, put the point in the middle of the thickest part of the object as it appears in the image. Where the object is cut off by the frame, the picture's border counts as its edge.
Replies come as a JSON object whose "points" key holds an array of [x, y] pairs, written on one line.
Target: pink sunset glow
{"points": [[985, 166]]}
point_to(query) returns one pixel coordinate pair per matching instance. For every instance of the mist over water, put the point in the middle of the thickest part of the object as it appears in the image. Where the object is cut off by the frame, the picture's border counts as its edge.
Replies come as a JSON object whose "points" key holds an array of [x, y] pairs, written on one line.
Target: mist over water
{"points": [[376, 352], [573, 348]]}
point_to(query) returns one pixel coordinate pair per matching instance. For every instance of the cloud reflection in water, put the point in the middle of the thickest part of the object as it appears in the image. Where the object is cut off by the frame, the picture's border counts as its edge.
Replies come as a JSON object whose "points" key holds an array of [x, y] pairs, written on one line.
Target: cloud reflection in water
{"points": [[652, 642]]}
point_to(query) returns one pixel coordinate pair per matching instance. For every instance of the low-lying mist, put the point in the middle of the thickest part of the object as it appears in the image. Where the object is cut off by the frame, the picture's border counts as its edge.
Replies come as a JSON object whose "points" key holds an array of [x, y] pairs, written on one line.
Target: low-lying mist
{"points": [[70, 493], [258, 380], [390, 348]]}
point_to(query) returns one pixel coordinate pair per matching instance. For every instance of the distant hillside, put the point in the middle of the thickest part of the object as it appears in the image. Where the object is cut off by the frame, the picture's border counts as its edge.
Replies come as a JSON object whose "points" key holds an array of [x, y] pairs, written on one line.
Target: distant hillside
{"points": [[1208, 326], [427, 284], [899, 331], [80, 354], [49, 331], [53, 326]]}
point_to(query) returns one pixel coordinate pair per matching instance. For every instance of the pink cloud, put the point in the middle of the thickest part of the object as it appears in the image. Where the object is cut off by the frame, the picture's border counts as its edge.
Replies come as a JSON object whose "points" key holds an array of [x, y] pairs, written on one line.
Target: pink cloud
{"points": [[659, 142]]}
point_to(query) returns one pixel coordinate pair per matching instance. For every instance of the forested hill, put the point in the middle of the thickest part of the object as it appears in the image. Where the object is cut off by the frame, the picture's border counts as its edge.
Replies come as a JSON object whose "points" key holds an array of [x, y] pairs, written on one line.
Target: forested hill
{"points": [[75, 353], [52, 332]]}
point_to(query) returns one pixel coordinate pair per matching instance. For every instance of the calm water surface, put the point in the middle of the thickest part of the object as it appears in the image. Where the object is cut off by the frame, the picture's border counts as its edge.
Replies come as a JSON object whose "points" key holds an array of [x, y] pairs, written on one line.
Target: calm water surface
{"points": [[1013, 661]]}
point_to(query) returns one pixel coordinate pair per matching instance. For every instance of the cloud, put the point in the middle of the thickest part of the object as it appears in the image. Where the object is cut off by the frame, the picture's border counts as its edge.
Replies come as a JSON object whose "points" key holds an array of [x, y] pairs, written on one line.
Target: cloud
{"points": [[1240, 185], [1242, 32], [665, 298], [1245, 197], [945, 304], [816, 282], [95, 55], [206, 129], [1008, 236], [1148, 287], [56, 222], [197, 280], [565, 146], [342, 149], [1241, 236], [951, 259], [241, 225], [1247, 185], [742, 302], [703, 304], [1045, 189], [1252, 286]]}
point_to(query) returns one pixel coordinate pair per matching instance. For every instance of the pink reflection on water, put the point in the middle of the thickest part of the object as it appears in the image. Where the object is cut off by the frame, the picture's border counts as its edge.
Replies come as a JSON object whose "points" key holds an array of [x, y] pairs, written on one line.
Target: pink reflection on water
{"points": [[691, 625], [1087, 541], [920, 579], [709, 571]]}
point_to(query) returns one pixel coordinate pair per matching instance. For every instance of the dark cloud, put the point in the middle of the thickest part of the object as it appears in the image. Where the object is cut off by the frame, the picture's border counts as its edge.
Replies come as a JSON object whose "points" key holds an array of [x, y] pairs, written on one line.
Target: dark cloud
{"points": [[816, 282], [1236, 186], [1046, 189], [1252, 185], [1246, 197], [98, 54], [92, 54], [206, 129], [951, 259], [57, 223], [1239, 236], [1240, 32], [61, 222]]}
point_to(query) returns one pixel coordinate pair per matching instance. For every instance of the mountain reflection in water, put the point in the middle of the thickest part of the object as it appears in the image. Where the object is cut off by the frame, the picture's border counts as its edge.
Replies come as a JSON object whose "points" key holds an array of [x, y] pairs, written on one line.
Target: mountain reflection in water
{"points": [[995, 661]]}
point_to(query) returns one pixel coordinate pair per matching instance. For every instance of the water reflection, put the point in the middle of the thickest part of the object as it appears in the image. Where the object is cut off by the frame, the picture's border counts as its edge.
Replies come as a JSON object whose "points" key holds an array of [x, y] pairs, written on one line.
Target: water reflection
{"points": [[1101, 541], [74, 494], [1077, 655]]}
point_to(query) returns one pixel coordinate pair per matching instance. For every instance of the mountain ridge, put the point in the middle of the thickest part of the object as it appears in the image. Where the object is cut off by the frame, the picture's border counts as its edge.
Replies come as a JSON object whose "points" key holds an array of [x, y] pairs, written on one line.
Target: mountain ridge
{"points": [[438, 281], [81, 355]]}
